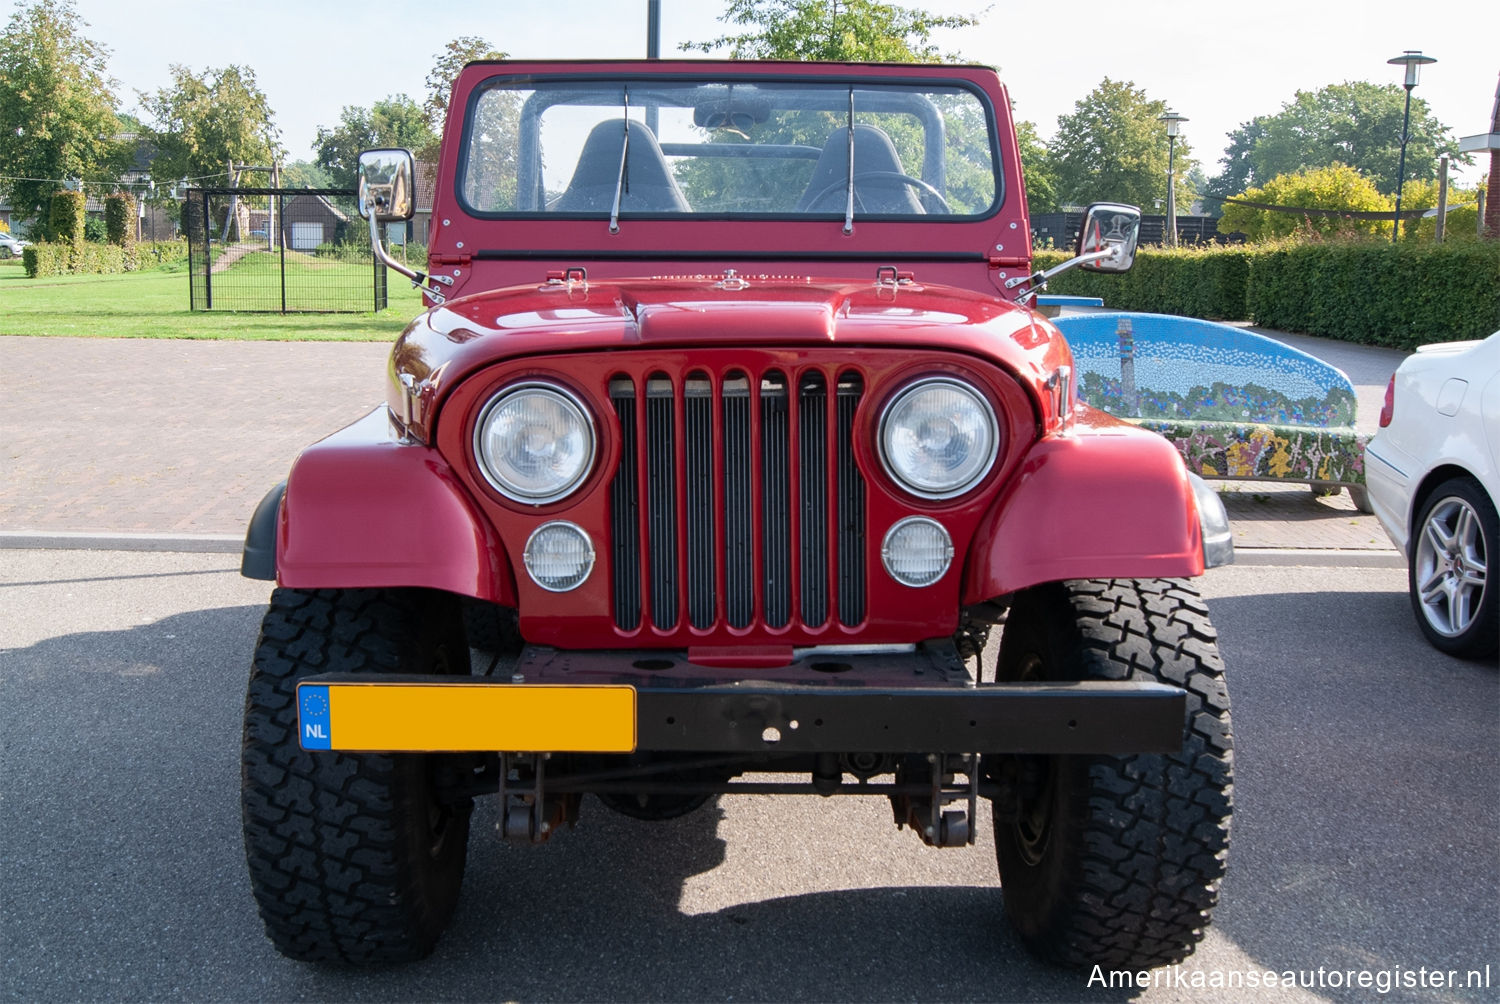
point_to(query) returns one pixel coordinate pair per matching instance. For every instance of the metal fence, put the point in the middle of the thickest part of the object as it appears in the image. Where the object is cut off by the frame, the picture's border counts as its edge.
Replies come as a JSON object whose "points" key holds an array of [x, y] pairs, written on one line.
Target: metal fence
{"points": [[280, 250], [1062, 230]]}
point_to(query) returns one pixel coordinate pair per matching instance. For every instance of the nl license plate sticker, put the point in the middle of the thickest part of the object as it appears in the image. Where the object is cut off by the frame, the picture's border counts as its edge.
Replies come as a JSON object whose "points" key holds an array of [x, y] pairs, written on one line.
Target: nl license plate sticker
{"points": [[457, 717]]}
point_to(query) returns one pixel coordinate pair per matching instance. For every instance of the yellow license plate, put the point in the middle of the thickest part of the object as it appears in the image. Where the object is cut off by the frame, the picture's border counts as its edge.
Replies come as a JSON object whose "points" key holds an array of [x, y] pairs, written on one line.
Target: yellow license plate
{"points": [[456, 717]]}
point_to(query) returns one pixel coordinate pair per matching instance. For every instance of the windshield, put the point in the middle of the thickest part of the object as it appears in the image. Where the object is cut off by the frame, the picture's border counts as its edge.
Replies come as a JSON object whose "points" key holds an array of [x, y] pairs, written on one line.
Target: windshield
{"points": [[662, 148]]}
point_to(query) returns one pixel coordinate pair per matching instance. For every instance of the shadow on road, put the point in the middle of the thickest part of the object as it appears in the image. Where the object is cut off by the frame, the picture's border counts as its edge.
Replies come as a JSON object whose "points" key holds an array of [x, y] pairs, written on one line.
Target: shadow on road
{"points": [[1365, 837]]}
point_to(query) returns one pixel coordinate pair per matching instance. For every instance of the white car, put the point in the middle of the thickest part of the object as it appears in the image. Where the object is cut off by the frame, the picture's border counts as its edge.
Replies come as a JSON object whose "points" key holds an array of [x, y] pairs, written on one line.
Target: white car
{"points": [[10, 245], [1434, 478]]}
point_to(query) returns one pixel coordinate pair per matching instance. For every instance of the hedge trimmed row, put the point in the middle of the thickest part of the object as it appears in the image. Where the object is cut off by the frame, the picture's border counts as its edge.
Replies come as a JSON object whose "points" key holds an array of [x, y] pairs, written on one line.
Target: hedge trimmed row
{"points": [[1372, 293], [42, 260], [120, 221], [1191, 282]]}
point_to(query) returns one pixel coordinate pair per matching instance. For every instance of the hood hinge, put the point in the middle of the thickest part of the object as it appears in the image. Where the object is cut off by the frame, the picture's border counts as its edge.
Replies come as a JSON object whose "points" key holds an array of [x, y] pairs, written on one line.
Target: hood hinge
{"points": [[461, 258]]}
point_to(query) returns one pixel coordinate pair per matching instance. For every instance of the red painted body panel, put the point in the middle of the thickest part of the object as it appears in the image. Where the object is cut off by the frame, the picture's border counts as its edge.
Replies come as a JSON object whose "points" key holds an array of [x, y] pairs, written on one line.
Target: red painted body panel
{"points": [[458, 244], [1105, 500], [364, 509], [445, 346], [1068, 497], [584, 618]]}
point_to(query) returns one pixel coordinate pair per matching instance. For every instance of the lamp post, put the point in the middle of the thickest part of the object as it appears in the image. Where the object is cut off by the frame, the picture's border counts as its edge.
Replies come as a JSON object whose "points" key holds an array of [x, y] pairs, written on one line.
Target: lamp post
{"points": [[1174, 122], [1413, 60]]}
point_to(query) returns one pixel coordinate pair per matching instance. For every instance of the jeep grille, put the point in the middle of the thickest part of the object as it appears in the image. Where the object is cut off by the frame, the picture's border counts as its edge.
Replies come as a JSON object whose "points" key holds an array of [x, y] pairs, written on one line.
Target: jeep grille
{"points": [[744, 532]]}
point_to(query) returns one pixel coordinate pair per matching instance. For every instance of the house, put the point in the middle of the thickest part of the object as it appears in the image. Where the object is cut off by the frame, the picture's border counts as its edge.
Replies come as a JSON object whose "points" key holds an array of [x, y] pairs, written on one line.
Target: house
{"points": [[309, 219]]}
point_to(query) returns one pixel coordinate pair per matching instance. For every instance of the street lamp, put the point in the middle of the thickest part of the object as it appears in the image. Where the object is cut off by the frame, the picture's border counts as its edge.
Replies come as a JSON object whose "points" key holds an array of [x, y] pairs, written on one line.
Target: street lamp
{"points": [[1173, 121], [1413, 60]]}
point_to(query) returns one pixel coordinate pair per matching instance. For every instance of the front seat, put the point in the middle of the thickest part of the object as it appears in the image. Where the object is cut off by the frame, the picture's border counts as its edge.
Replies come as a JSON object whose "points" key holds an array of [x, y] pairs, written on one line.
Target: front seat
{"points": [[873, 153], [648, 186]]}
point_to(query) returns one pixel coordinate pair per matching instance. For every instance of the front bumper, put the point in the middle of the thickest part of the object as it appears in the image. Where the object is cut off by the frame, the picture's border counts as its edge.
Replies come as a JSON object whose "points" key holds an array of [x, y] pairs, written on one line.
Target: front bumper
{"points": [[606, 702]]}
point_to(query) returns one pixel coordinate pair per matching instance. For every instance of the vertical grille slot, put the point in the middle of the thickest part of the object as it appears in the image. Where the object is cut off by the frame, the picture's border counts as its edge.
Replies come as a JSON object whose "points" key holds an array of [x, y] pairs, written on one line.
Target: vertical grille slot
{"points": [[812, 486], [625, 512], [851, 506], [698, 431], [739, 539], [775, 500], [737, 502], [661, 498]]}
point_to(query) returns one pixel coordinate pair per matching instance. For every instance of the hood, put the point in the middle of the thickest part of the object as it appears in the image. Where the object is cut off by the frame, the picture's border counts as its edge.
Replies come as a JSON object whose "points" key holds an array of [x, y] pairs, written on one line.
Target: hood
{"points": [[447, 344]]}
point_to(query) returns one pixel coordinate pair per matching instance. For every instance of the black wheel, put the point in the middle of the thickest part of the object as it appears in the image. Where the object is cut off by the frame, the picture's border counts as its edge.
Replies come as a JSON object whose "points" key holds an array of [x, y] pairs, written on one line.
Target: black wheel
{"points": [[1116, 860], [353, 858], [1455, 598], [492, 629]]}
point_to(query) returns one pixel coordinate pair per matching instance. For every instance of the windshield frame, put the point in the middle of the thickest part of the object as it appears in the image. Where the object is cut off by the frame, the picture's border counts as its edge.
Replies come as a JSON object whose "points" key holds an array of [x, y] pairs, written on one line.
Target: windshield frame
{"points": [[908, 94]]}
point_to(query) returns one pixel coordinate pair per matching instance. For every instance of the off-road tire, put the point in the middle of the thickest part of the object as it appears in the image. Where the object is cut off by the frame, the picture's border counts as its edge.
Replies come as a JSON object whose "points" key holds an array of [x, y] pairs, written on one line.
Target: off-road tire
{"points": [[1117, 860], [492, 629], [1480, 638], [353, 858]]}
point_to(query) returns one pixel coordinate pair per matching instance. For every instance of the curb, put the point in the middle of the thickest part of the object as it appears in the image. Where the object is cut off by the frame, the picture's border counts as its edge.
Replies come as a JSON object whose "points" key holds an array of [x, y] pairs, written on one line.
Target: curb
{"points": [[226, 543], [201, 543], [1320, 557]]}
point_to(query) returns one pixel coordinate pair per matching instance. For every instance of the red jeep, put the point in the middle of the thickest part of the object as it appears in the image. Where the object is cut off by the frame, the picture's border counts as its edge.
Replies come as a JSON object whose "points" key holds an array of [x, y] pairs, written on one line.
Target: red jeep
{"points": [[729, 439]]}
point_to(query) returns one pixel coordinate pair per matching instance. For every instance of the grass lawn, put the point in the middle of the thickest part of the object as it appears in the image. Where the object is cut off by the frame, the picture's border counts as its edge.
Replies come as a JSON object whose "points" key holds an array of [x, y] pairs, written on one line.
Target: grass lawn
{"points": [[154, 304]]}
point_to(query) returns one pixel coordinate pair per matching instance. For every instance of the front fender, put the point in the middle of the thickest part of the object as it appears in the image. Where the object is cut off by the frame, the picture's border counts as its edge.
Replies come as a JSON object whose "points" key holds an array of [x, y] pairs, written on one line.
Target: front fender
{"points": [[1103, 501], [364, 509]]}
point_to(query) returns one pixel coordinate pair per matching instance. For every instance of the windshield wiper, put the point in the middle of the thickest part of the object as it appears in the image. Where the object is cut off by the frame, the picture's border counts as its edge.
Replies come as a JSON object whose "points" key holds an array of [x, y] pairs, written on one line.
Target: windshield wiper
{"points": [[849, 206], [614, 213]]}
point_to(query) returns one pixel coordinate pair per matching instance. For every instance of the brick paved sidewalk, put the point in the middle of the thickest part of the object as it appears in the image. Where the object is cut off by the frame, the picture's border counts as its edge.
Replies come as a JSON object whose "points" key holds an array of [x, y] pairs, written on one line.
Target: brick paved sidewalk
{"points": [[169, 436], [184, 437]]}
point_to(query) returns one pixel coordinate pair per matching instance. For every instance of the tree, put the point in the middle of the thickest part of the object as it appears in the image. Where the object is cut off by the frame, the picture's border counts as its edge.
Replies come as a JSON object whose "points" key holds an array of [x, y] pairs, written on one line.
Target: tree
{"points": [[1239, 171], [445, 66], [57, 112], [1037, 167], [304, 174], [1113, 148], [1336, 187], [398, 121], [1463, 223], [202, 123], [838, 30], [1354, 123]]}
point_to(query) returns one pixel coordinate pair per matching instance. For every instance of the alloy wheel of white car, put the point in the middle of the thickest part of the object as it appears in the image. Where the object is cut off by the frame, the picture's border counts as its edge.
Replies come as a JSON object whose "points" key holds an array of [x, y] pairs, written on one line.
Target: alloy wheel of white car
{"points": [[1450, 569]]}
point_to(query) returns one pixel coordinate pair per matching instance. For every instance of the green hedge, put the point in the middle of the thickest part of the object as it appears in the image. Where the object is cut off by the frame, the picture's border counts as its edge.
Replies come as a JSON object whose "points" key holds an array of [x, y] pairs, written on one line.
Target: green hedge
{"points": [[67, 218], [1369, 292], [42, 260], [1193, 282], [162, 253], [120, 219], [1376, 293]]}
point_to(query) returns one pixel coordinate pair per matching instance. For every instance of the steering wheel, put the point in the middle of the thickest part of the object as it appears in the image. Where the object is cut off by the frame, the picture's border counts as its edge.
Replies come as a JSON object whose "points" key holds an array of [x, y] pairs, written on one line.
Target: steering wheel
{"points": [[924, 190]]}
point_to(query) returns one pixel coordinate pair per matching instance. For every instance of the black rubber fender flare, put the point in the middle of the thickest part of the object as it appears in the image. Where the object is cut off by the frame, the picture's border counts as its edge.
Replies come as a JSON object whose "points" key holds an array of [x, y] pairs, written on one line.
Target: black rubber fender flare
{"points": [[259, 558]]}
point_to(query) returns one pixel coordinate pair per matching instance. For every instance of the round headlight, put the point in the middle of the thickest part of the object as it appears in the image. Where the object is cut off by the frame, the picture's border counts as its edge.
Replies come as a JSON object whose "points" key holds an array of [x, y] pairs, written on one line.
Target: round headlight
{"points": [[938, 437], [917, 551], [558, 556], [534, 442]]}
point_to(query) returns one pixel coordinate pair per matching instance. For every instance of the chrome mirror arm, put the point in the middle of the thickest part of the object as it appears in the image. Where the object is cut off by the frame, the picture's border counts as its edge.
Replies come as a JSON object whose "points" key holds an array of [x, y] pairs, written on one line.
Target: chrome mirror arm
{"points": [[1038, 280], [418, 279]]}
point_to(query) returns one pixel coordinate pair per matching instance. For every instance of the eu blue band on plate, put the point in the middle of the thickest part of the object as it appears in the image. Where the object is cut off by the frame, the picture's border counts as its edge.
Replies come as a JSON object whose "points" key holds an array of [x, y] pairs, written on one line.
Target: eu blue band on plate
{"points": [[315, 724]]}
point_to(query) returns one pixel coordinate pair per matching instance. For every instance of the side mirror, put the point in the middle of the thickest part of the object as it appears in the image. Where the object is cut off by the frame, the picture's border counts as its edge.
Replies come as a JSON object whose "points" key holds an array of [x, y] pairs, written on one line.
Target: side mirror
{"points": [[1111, 227], [385, 185]]}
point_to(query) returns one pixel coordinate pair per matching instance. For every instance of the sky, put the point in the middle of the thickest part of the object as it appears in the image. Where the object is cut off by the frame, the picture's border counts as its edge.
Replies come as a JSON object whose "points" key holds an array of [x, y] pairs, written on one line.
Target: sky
{"points": [[1220, 64]]}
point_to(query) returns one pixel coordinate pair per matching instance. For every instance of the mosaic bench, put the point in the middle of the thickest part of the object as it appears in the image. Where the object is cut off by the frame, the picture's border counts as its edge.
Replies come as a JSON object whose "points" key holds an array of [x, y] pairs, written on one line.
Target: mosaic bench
{"points": [[1237, 405]]}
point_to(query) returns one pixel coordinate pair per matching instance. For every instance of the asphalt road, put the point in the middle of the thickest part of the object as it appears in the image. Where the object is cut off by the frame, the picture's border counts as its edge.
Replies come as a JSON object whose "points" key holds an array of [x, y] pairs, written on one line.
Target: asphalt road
{"points": [[1367, 829]]}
